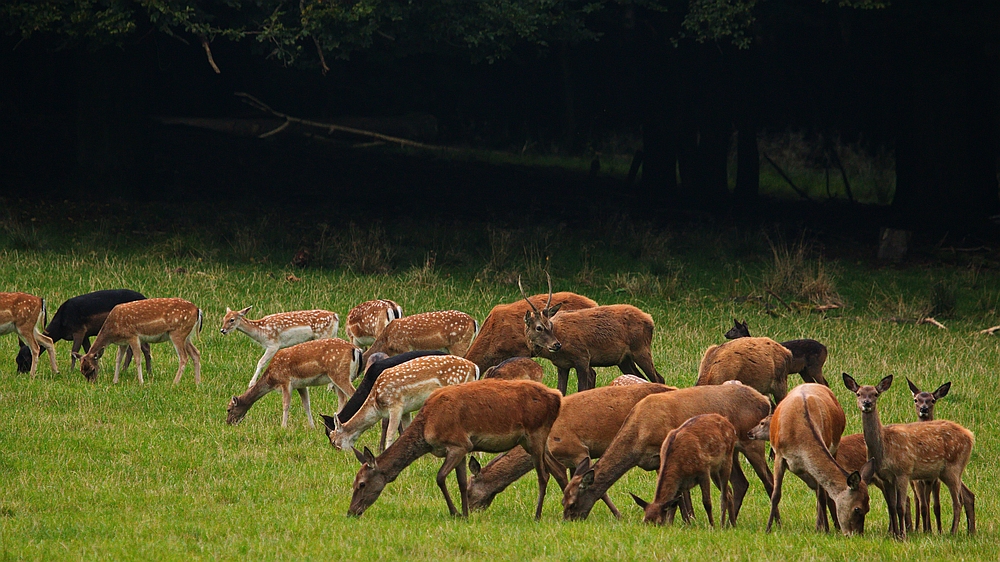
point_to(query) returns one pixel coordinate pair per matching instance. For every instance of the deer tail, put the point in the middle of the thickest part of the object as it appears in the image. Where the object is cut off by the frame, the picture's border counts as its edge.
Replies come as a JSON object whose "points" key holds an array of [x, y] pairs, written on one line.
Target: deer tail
{"points": [[355, 363], [45, 314], [201, 317]]}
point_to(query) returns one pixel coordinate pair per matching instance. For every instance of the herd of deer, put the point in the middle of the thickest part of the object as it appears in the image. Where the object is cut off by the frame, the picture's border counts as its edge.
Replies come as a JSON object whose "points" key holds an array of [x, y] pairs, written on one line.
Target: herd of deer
{"points": [[476, 389]]}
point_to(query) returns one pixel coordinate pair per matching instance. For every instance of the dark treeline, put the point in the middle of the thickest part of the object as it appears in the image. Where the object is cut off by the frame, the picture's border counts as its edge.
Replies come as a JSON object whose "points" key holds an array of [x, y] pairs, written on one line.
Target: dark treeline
{"points": [[920, 78]]}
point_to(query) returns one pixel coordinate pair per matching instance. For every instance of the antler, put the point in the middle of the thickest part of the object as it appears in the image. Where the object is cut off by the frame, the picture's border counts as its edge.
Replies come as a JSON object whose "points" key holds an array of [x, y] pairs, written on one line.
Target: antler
{"points": [[523, 294], [549, 279]]}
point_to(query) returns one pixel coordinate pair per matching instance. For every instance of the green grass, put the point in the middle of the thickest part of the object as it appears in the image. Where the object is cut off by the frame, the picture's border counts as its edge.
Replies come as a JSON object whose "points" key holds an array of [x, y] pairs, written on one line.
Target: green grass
{"points": [[127, 471]]}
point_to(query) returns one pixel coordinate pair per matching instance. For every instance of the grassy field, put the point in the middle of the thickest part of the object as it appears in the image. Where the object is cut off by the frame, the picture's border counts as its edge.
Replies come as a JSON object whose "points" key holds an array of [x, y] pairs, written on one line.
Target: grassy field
{"points": [[126, 471]]}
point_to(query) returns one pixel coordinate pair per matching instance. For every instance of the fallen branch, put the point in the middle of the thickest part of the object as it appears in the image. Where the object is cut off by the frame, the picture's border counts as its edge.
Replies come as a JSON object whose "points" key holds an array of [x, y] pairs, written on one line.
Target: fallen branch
{"points": [[208, 53], [990, 331], [775, 295], [932, 322], [274, 131], [801, 193]]}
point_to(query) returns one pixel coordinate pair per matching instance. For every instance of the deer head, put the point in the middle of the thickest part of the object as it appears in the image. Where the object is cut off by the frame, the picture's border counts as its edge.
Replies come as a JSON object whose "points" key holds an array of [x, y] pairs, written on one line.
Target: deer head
{"points": [[232, 319], [89, 365], [368, 484], [739, 330], [762, 431], [340, 439], [538, 323], [924, 401], [867, 395], [236, 411], [583, 478]]}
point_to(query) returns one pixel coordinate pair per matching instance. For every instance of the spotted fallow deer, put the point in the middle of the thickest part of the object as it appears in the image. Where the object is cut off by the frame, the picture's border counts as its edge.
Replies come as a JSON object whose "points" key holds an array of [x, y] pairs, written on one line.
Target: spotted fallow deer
{"points": [[398, 391], [447, 330], [152, 321], [367, 320], [313, 363], [277, 331], [492, 415], [22, 314], [914, 451]]}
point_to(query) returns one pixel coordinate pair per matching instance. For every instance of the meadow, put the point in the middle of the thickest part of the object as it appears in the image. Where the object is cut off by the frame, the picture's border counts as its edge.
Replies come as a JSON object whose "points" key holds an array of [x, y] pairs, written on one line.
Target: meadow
{"points": [[103, 471]]}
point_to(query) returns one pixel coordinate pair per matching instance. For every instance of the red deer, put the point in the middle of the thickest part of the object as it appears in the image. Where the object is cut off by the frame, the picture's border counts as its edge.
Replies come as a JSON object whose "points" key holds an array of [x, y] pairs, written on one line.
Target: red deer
{"points": [[281, 330], [21, 313], [587, 423], [502, 334], [914, 451], [490, 415], [312, 363], [447, 330], [638, 442], [80, 318], [151, 321], [761, 363], [924, 489], [367, 320], [516, 368], [602, 336], [398, 391], [808, 356], [700, 452], [805, 434]]}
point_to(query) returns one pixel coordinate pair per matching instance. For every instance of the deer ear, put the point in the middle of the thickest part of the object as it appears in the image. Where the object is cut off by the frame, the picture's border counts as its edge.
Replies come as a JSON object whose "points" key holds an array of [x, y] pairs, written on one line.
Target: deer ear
{"points": [[587, 480], [850, 383], [527, 317], [913, 387], [854, 480], [942, 391], [370, 457], [474, 467], [78, 357], [228, 310], [582, 467], [868, 471], [329, 424], [552, 310], [358, 455], [884, 384], [639, 501], [245, 310]]}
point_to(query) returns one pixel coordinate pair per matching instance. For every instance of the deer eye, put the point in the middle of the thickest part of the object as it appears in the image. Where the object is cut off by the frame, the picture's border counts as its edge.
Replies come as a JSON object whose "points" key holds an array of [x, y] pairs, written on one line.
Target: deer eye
{"points": [[361, 485], [538, 328]]}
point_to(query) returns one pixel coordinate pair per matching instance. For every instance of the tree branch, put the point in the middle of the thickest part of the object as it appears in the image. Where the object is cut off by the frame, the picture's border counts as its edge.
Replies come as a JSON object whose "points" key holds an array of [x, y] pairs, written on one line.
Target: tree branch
{"points": [[208, 53], [801, 193]]}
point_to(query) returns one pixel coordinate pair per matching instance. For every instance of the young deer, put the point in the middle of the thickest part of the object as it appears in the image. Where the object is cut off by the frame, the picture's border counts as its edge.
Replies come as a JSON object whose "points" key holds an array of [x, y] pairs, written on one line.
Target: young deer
{"points": [[367, 320], [313, 363], [516, 368], [805, 432], [924, 489], [447, 330], [502, 334], [397, 392], [700, 452], [490, 415], [602, 336], [627, 380], [808, 356], [638, 441], [587, 423], [21, 313], [281, 330], [151, 321], [914, 451]]}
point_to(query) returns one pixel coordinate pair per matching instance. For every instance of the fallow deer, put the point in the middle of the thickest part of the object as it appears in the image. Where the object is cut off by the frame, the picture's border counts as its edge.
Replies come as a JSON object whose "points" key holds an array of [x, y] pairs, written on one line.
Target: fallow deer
{"points": [[447, 330], [587, 423], [151, 321], [502, 334], [805, 433], [516, 368], [761, 363], [638, 441], [367, 320], [627, 380], [700, 452], [281, 330], [80, 318], [923, 489], [490, 415], [398, 391], [22, 313], [602, 336], [914, 451], [808, 356], [313, 363]]}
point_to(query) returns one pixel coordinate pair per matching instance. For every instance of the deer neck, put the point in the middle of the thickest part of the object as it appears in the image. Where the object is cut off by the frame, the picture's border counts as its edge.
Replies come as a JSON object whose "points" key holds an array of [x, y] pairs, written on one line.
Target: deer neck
{"points": [[260, 388], [255, 329], [410, 446], [872, 427], [365, 417]]}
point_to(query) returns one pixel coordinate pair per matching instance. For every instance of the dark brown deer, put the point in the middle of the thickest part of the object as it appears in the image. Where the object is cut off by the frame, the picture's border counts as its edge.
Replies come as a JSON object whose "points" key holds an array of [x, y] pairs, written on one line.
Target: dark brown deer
{"points": [[639, 440], [489, 415], [603, 336], [923, 489], [808, 356], [914, 451], [698, 452], [502, 334]]}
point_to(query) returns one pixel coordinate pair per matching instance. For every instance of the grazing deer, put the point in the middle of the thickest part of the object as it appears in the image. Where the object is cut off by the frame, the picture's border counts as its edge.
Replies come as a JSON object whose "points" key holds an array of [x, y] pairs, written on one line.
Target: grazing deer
{"points": [[447, 330], [313, 363], [805, 433], [277, 331], [151, 321], [761, 363], [700, 452], [923, 489], [490, 415], [914, 451], [516, 368], [367, 320], [587, 423], [80, 318], [638, 441], [502, 334], [602, 336], [398, 391], [808, 356], [21, 313]]}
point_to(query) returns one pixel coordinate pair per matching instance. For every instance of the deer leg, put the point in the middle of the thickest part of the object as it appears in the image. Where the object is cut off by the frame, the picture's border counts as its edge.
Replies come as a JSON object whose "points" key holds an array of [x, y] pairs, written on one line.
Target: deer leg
{"points": [[385, 432], [463, 486], [740, 485], [394, 415], [144, 346], [77, 343], [562, 376], [907, 512], [754, 452], [583, 377], [645, 361], [404, 421], [128, 359], [902, 487], [453, 457], [27, 337], [822, 523], [705, 483], [269, 352], [182, 356], [779, 475], [934, 492], [119, 355], [537, 451], [134, 346], [722, 481], [286, 403], [304, 396], [195, 357], [627, 367], [50, 346], [955, 487], [969, 502]]}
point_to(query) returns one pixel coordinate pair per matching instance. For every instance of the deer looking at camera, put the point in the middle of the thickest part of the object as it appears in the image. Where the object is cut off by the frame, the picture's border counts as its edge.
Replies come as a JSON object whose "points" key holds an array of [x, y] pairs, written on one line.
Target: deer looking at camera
{"points": [[914, 451], [367, 320], [281, 330], [808, 356], [447, 330], [923, 490], [22, 313], [151, 321], [602, 336]]}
